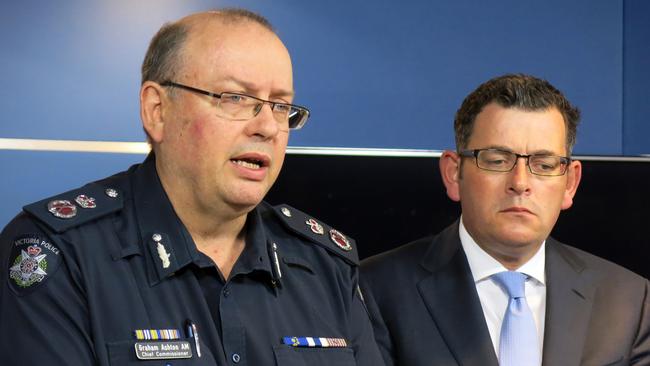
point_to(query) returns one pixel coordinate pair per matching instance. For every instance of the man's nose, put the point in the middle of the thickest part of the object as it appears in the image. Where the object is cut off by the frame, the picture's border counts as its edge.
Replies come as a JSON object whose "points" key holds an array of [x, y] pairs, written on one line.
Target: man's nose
{"points": [[264, 123], [520, 176]]}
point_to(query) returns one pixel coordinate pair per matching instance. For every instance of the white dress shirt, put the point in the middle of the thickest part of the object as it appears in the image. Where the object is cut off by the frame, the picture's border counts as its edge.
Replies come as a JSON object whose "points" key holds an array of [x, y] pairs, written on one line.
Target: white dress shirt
{"points": [[494, 300]]}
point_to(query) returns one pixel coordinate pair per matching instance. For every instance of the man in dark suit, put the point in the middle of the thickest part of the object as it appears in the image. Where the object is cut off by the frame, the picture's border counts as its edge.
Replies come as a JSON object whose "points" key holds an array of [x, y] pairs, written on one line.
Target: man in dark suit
{"points": [[493, 288]]}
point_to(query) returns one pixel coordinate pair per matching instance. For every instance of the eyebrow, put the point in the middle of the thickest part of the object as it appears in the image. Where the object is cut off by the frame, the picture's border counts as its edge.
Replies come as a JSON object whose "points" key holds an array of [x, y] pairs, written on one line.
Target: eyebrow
{"points": [[537, 152], [251, 87]]}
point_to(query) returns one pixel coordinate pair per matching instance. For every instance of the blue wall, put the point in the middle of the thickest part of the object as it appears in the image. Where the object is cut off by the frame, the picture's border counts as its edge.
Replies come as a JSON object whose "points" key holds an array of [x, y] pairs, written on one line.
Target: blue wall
{"points": [[636, 78], [375, 73]]}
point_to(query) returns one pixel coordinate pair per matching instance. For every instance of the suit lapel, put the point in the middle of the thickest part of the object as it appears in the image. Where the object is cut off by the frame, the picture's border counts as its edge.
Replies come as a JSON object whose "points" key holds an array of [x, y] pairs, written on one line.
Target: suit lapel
{"points": [[450, 296], [569, 298]]}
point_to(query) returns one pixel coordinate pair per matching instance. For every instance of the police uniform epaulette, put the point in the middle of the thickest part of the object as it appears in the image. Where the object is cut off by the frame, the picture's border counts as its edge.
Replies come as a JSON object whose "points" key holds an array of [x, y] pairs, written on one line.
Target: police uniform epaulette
{"points": [[76, 207], [318, 232]]}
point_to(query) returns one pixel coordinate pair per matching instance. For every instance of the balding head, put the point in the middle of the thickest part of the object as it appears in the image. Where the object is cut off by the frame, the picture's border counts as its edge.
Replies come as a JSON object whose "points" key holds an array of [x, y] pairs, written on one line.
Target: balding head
{"points": [[164, 55]]}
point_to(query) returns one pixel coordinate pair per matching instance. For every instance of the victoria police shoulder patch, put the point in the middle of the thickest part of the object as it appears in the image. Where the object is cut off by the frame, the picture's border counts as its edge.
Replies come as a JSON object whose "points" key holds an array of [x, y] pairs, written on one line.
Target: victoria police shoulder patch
{"points": [[32, 261]]}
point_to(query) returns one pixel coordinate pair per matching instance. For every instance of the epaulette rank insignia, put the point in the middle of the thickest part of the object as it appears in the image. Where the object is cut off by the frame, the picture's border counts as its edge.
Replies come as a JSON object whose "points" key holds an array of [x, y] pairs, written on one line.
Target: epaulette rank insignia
{"points": [[76, 207], [319, 232]]}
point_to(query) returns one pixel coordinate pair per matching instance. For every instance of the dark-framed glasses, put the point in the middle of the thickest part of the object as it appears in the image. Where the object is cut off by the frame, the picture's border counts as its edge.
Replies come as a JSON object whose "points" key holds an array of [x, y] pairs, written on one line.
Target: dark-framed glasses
{"points": [[242, 107], [496, 160]]}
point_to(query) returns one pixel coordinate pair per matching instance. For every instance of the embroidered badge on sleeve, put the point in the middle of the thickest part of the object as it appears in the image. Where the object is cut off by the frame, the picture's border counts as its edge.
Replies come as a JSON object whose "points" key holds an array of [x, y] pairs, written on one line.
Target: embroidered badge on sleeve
{"points": [[33, 260]]}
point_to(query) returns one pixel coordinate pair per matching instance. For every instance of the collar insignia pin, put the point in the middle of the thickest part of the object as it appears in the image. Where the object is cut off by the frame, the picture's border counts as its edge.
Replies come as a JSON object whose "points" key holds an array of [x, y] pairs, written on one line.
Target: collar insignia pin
{"points": [[162, 252]]}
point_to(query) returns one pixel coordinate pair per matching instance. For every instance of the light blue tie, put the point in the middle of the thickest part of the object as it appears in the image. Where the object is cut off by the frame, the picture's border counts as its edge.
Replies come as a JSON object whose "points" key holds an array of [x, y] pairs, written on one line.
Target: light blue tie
{"points": [[519, 345]]}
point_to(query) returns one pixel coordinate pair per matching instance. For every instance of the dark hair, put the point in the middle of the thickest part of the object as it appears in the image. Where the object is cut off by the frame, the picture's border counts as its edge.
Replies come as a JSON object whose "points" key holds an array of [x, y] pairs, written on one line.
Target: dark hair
{"points": [[163, 57], [515, 91]]}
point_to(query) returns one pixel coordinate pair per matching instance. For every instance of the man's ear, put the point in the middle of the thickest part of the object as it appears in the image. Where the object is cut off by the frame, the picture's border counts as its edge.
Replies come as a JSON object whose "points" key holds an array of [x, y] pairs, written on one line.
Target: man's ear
{"points": [[152, 96], [450, 173], [574, 174]]}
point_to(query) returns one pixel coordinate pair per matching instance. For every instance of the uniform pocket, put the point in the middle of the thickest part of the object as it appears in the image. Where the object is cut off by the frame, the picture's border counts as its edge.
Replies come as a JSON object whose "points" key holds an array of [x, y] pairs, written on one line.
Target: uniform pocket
{"points": [[313, 356], [123, 353]]}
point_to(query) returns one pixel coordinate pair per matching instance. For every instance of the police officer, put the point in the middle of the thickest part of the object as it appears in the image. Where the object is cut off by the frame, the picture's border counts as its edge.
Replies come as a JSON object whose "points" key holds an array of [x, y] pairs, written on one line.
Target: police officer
{"points": [[177, 261]]}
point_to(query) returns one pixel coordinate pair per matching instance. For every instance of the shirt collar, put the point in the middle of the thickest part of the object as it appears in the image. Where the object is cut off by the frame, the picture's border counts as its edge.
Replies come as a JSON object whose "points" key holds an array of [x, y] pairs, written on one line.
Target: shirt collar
{"points": [[483, 265]]}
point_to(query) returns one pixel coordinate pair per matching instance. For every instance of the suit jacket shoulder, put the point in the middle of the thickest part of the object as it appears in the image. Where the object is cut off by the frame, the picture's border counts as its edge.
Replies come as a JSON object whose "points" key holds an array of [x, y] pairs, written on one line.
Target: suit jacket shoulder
{"points": [[405, 255], [580, 258], [424, 305], [597, 312]]}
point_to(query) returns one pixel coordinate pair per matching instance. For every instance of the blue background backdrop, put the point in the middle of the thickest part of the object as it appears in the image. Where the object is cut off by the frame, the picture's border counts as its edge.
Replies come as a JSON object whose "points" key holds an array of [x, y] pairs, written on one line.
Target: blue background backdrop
{"points": [[380, 73]]}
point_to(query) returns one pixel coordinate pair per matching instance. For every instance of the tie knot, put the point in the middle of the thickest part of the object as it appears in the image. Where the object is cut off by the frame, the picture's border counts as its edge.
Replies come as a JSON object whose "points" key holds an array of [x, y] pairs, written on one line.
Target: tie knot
{"points": [[512, 282]]}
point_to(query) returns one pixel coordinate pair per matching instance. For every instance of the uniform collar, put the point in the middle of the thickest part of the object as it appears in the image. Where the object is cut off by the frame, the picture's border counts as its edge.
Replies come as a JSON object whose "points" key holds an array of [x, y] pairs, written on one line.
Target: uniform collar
{"points": [[167, 244], [258, 252]]}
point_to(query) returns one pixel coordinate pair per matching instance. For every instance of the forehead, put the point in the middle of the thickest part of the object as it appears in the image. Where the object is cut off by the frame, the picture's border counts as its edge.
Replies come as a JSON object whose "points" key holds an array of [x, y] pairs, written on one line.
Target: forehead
{"points": [[216, 51], [519, 130]]}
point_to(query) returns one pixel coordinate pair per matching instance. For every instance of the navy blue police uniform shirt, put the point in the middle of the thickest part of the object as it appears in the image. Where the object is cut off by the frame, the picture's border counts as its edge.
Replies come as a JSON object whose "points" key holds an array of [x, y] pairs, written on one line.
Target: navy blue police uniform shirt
{"points": [[108, 275]]}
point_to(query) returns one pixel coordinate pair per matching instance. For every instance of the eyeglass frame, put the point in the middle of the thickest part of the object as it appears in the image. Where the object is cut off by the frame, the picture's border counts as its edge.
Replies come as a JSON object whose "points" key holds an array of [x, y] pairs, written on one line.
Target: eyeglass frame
{"points": [[473, 153], [172, 84]]}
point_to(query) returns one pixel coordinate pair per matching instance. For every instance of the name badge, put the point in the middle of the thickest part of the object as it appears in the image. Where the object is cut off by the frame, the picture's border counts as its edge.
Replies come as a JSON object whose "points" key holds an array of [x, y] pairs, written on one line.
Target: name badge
{"points": [[163, 350]]}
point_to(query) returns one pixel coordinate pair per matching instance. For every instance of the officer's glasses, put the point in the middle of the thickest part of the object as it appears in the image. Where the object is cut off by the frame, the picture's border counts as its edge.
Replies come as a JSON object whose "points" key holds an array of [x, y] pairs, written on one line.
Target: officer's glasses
{"points": [[496, 160], [242, 107]]}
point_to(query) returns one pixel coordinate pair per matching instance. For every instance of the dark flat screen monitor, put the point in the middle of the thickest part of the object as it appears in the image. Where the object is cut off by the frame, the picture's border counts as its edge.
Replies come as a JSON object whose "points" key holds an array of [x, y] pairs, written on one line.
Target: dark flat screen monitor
{"points": [[387, 201]]}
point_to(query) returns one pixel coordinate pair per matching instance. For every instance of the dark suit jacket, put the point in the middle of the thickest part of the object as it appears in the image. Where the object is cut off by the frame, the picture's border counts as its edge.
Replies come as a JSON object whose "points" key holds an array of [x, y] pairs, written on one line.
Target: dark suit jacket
{"points": [[426, 310]]}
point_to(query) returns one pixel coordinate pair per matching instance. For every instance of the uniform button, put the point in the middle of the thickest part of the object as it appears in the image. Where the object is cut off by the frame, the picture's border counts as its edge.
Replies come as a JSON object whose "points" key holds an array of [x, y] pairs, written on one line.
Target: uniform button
{"points": [[235, 358], [226, 292]]}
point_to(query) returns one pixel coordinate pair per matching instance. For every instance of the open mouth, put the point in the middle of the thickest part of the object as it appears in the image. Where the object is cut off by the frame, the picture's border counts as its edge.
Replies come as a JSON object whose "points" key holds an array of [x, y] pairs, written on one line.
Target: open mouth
{"points": [[252, 160], [249, 163]]}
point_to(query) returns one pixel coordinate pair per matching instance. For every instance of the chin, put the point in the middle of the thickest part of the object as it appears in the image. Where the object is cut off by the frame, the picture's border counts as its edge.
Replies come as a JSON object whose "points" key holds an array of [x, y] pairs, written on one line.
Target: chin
{"points": [[248, 197], [520, 239]]}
